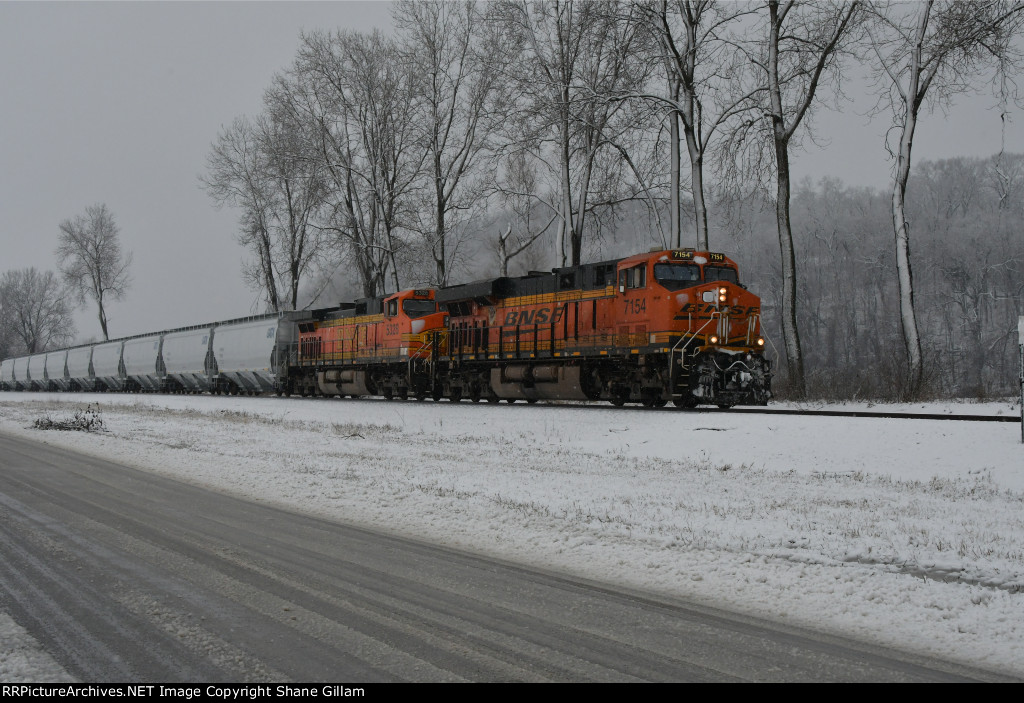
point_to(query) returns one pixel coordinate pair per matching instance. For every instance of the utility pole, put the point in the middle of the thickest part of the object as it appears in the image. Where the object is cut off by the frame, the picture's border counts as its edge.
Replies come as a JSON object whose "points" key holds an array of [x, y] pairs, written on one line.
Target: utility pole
{"points": [[1020, 349]]}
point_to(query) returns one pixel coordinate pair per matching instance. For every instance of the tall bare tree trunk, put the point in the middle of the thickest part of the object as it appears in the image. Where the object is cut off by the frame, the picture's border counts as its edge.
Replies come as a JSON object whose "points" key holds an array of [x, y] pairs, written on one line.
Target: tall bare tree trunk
{"points": [[780, 137], [912, 97], [440, 229], [700, 209], [790, 329], [908, 316], [566, 228], [691, 125], [103, 317], [675, 163]]}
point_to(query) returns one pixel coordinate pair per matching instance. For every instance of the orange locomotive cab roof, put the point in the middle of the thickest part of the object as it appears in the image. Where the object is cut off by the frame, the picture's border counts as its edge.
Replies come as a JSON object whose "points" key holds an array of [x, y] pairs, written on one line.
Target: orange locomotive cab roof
{"points": [[685, 255]]}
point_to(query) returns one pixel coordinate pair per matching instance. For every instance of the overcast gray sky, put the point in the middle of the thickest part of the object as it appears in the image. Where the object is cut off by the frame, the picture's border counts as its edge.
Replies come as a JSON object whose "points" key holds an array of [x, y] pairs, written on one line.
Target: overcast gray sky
{"points": [[119, 103]]}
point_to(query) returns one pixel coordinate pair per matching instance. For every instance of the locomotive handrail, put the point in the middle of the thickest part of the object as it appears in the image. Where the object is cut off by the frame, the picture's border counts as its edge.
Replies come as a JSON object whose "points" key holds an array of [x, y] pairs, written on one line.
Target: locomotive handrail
{"points": [[682, 352], [693, 336], [769, 340]]}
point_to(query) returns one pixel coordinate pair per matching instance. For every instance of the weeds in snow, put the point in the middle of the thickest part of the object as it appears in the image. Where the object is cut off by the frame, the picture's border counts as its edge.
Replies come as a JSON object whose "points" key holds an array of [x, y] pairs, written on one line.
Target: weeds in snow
{"points": [[84, 420]]}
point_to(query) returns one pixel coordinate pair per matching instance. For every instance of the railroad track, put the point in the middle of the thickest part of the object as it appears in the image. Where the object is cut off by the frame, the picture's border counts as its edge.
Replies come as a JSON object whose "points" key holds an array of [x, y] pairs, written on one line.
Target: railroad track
{"points": [[739, 410], [867, 413], [768, 411]]}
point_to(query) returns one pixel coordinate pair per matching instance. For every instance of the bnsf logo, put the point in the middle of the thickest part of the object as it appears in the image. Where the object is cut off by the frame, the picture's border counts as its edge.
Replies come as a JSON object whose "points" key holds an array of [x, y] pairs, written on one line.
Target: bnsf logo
{"points": [[534, 317], [698, 308]]}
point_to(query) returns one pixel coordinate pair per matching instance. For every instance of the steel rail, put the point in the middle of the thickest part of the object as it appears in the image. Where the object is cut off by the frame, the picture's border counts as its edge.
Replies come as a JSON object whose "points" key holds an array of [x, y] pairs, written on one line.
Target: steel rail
{"points": [[746, 410], [865, 413]]}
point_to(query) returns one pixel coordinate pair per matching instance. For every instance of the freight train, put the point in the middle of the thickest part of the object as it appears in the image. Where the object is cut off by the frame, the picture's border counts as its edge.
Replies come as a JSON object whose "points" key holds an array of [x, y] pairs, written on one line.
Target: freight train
{"points": [[663, 326]]}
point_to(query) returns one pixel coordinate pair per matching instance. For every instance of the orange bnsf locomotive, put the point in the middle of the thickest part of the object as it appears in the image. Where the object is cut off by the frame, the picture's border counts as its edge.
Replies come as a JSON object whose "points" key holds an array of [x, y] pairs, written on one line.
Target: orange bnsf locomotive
{"points": [[669, 325], [386, 346]]}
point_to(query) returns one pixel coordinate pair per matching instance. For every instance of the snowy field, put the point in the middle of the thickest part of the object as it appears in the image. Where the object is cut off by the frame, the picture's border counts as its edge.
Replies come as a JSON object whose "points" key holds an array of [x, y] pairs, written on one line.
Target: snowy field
{"points": [[905, 533]]}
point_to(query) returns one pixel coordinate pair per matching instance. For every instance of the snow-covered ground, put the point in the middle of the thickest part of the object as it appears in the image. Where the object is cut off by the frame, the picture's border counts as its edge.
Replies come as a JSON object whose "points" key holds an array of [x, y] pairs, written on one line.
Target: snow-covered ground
{"points": [[905, 533]]}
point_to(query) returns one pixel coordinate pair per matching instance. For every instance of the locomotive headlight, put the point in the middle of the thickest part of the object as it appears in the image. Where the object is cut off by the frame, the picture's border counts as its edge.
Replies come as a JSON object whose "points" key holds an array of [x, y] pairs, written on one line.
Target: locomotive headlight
{"points": [[714, 339], [722, 291], [708, 296], [760, 341]]}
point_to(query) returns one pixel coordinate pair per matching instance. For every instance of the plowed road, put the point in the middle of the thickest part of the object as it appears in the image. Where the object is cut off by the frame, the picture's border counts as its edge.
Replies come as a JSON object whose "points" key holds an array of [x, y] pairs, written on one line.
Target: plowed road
{"points": [[126, 576]]}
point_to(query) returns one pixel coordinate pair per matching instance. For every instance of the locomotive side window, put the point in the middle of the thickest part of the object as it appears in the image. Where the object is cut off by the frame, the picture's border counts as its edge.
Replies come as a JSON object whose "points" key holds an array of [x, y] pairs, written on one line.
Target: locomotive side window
{"points": [[720, 273], [677, 276], [392, 308], [418, 308], [635, 277]]}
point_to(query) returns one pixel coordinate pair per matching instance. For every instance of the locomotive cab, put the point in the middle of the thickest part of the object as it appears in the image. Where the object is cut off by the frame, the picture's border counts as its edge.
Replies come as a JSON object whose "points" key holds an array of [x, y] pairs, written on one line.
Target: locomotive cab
{"points": [[715, 329], [410, 316]]}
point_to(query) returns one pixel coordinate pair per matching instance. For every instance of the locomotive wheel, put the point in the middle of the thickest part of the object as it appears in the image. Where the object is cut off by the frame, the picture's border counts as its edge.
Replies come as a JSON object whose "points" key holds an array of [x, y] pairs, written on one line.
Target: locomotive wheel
{"points": [[456, 395], [619, 395], [421, 395], [510, 400], [436, 394], [724, 406], [685, 402], [493, 399]]}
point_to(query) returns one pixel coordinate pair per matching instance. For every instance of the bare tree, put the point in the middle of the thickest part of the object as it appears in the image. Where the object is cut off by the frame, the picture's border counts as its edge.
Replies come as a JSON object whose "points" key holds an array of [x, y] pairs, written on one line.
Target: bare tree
{"points": [[798, 48], [236, 176], [263, 167], [358, 99], [35, 309], [519, 193], [90, 260], [930, 51], [453, 57], [692, 45], [573, 55], [298, 187]]}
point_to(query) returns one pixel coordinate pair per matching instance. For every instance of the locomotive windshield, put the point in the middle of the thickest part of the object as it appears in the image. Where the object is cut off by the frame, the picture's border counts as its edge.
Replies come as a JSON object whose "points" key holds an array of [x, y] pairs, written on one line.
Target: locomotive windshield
{"points": [[677, 276], [720, 273], [418, 308]]}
